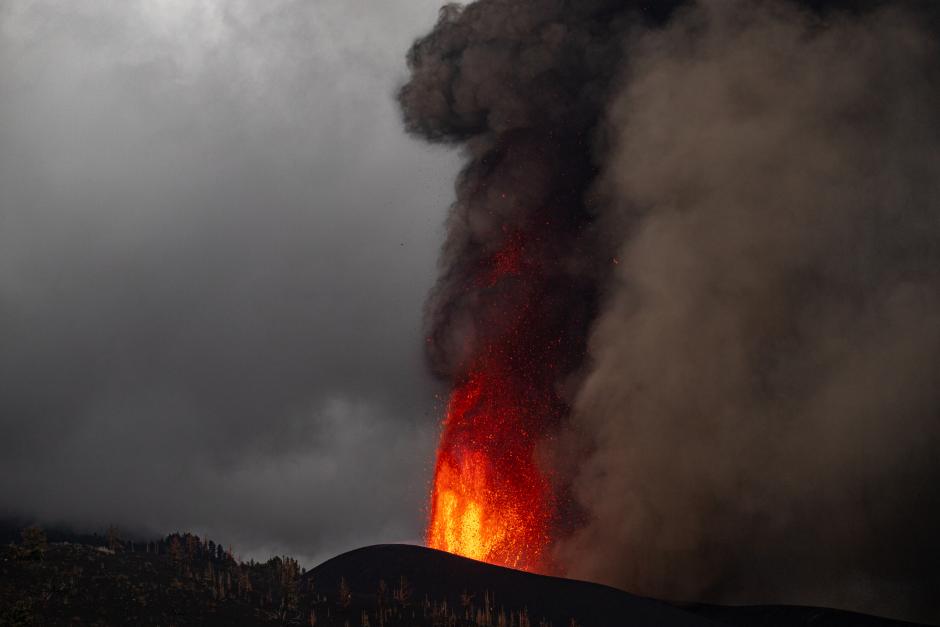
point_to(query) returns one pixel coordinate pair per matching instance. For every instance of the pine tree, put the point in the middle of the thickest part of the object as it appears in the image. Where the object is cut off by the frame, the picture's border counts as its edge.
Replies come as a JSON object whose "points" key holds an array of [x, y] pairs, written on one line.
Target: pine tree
{"points": [[191, 543], [289, 573], [114, 538], [176, 549], [34, 543], [403, 592], [345, 594]]}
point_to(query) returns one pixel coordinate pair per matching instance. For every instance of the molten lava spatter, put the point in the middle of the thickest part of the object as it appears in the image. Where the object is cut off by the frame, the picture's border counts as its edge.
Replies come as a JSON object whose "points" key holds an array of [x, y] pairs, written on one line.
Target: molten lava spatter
{"points": [[490, 500]]}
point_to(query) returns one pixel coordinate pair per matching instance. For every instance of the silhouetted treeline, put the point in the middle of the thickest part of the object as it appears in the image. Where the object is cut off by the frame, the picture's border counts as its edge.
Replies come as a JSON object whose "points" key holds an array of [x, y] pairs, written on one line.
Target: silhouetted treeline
{"points": [[56, 578]]}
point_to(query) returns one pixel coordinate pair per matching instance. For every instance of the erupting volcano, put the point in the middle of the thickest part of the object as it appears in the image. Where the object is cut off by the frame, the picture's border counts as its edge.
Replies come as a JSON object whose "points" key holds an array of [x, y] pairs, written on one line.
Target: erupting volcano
{"points": [[521, 87], [688, 288], [490, 501], [508, 319]]}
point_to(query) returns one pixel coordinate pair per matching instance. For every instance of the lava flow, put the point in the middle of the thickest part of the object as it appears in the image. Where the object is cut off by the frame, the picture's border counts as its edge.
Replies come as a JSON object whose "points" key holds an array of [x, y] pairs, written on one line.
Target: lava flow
{"points": [[490, 501]]}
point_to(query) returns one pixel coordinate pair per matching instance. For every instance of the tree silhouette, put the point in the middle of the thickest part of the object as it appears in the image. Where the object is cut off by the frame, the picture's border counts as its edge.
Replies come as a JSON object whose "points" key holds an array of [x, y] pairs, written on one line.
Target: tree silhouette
{"points": [[345, 594], [403, 591], [34, 543], [114, 538], [176, 549]]}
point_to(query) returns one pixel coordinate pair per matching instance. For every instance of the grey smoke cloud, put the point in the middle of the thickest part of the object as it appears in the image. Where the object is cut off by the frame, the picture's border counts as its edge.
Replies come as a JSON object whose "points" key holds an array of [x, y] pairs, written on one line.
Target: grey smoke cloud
{"points": [[214, 247], [761, 398]]}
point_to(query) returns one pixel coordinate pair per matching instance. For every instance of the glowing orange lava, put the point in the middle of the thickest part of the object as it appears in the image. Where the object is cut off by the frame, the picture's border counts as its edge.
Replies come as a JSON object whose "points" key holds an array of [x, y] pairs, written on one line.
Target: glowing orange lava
{"points": [[490, 501]]}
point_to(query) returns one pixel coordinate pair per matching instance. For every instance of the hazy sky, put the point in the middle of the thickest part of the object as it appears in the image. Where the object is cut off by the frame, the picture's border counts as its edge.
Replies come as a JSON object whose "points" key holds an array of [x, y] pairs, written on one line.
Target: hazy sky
{"points": [[215, 243]]}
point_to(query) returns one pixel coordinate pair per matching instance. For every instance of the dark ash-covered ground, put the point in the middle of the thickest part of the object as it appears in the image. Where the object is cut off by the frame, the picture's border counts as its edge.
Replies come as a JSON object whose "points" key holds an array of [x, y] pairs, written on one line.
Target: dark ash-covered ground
{"points": [[185, 580]]}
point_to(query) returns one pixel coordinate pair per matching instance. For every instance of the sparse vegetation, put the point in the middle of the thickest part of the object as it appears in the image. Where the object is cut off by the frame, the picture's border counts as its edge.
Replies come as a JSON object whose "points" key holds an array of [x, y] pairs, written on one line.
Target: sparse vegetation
{"points": [[34, 543], [186, 580], [48, 578]]}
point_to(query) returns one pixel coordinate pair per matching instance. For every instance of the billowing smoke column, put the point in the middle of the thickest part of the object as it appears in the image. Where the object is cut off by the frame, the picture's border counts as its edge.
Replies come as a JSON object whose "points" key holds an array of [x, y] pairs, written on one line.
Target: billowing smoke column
{"points": [[521, 85], [690, 296]]}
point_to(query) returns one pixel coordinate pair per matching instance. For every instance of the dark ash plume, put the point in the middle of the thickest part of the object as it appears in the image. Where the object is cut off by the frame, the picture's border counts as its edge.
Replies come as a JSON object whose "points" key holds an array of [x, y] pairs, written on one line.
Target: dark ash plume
{"points": [[522, 86], [751, 408]]}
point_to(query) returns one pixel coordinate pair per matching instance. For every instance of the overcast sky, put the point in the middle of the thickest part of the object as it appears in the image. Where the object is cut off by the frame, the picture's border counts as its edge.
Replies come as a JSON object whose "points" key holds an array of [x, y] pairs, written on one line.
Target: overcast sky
{"points": [[215, 243]]}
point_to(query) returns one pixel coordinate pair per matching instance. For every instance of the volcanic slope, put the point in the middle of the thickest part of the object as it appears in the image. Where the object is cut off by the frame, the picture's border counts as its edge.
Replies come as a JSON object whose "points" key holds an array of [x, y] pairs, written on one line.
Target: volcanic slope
{"points": [[395, 574]]}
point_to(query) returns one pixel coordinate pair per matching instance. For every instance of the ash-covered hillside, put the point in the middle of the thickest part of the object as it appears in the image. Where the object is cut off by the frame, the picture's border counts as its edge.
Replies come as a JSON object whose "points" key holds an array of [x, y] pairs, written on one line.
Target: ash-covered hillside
{"points": [[58, 578], [467, 592]]}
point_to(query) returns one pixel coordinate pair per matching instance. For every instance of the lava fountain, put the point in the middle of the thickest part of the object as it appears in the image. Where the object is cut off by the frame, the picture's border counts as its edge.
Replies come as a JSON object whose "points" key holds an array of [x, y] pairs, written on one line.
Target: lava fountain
{"points": [[521, 88], [490, 500]]}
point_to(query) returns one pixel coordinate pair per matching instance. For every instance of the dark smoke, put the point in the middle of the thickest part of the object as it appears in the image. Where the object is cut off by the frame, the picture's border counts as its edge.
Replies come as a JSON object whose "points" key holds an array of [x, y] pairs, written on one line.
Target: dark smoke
{"points": [[521, 86], [736, 206]]}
